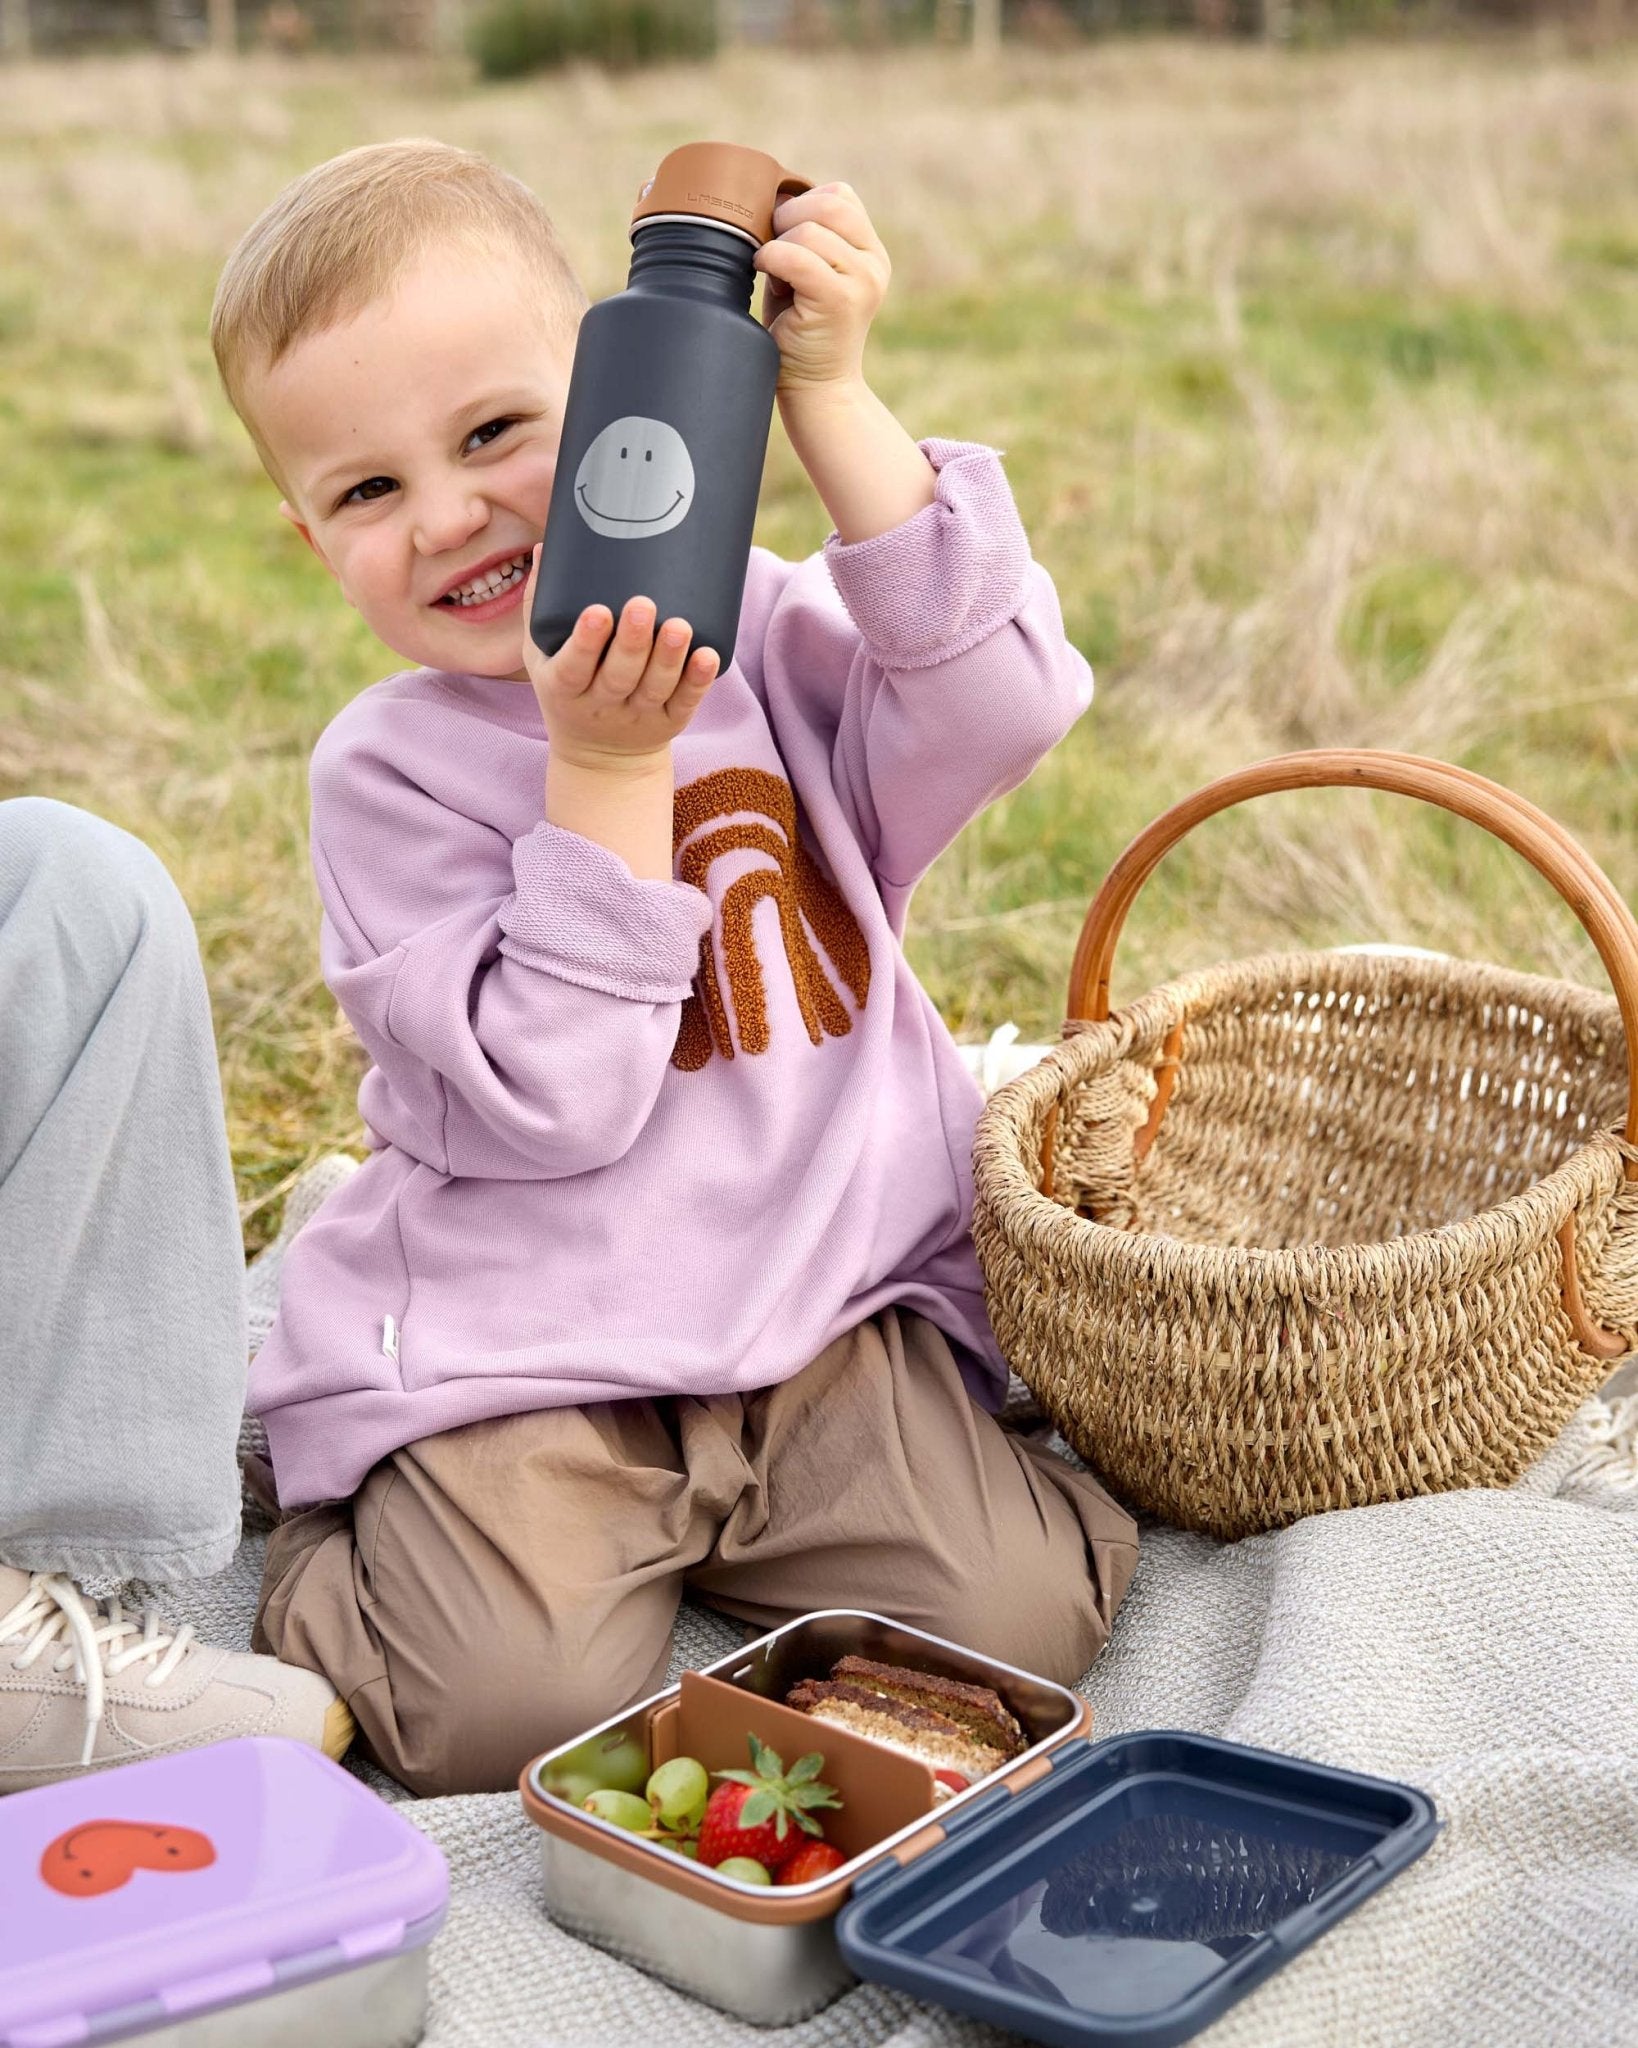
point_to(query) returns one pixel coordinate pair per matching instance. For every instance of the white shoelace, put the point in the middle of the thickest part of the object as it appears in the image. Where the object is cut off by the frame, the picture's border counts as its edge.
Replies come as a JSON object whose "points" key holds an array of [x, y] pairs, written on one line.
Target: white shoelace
{"points": [[55, 1612]]}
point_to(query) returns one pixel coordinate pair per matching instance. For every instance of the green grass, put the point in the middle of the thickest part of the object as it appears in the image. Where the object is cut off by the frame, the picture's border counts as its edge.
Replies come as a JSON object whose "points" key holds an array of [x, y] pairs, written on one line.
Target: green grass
{"points": [[1317, 376]]}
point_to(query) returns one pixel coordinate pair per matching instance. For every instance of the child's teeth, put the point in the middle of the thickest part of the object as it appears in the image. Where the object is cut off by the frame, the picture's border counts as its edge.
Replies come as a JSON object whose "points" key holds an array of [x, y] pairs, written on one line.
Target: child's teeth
{"points": [[497, 581]]}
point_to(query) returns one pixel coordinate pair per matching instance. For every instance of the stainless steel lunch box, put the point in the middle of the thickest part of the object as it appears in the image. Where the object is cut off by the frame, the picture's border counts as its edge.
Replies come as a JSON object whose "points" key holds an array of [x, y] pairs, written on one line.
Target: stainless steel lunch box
{"points": [[766, 1954]]}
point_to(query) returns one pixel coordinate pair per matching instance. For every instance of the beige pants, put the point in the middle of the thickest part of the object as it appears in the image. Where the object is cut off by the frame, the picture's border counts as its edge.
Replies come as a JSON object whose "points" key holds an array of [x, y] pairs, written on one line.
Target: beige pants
{"points": [[494, 1590]]}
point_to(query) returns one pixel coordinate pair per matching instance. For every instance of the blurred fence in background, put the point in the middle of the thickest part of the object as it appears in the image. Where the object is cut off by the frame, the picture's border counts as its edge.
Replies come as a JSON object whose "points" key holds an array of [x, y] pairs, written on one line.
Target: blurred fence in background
{"points": [[511, 37]]}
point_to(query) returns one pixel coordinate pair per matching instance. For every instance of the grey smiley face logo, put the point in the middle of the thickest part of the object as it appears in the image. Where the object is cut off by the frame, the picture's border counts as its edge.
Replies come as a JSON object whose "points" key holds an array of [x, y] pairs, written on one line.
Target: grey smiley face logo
{"points": [[635, 480]]}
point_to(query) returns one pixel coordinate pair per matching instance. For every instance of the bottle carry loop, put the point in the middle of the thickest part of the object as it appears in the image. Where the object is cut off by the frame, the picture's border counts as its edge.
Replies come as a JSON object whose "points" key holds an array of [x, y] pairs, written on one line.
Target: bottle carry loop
{"points": [[720, 181]]}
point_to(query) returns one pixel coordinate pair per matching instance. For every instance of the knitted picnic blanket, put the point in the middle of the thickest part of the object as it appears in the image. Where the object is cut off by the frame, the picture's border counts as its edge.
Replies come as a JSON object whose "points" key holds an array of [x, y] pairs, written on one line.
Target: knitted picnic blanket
{"points": [[1480, 1645]]}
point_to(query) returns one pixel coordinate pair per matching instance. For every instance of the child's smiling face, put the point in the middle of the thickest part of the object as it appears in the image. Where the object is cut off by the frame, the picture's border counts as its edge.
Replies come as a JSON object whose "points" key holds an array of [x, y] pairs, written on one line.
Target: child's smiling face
{"points": [[419, 443]]}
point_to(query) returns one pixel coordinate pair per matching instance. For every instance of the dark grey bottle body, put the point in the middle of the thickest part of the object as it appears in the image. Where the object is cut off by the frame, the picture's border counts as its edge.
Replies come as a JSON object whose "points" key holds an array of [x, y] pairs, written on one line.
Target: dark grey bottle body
{"points": [[664, 438]]}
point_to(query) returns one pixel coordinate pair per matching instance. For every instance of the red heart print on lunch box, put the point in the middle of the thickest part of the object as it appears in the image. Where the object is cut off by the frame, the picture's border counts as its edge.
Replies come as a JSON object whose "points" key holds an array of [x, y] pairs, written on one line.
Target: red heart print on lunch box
{"points": [[102, 1855]]}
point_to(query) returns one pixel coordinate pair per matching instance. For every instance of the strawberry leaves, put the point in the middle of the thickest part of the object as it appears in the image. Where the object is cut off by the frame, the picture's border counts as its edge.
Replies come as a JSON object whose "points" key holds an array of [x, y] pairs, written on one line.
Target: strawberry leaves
{"points": [[779, 1795], [766, 1805]]}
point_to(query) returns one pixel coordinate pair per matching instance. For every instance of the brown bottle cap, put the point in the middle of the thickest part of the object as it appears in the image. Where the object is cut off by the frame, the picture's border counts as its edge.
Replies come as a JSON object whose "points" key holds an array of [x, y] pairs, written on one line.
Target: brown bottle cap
{"points": [[719, 181]]}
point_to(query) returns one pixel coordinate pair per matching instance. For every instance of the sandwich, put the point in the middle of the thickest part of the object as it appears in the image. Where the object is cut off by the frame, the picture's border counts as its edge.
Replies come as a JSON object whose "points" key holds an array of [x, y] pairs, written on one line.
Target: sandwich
{"points": [[962, 1732]]}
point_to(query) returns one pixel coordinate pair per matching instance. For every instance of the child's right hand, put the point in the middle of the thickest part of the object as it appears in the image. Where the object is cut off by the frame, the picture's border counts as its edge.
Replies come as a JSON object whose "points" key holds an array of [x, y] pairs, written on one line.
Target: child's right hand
{"points": [[634, 703]]}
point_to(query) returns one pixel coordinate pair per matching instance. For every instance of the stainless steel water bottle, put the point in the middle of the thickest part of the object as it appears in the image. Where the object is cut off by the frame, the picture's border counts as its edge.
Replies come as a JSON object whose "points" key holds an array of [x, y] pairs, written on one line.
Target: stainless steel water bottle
{"points": [[670, 399]]}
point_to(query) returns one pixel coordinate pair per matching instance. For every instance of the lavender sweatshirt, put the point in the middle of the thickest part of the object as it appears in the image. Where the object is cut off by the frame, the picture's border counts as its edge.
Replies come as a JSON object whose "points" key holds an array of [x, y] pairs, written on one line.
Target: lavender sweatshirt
{"points": [[635, 1138]]}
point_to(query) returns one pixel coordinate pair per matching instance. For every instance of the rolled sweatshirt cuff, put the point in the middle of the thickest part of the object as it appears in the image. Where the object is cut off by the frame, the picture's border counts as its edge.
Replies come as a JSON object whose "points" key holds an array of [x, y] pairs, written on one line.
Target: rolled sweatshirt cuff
{"points": [[946, 578], [579, 913]]}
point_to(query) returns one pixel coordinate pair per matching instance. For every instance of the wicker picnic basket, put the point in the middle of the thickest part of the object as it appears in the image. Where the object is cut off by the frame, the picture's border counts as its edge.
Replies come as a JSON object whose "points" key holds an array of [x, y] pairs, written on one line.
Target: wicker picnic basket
{"points": [[1317, 1230]]}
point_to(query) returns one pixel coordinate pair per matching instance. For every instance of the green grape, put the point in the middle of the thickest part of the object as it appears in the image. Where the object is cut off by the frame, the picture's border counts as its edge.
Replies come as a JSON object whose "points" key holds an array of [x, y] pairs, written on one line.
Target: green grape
{"points": [[745, 1868], [620, 1762], [624, 1809], [616, 1762], [678, 1791]]}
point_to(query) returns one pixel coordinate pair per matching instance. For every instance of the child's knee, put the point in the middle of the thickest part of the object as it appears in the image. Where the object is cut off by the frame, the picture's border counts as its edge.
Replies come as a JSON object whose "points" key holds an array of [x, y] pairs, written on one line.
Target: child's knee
{"points": [[1044, 1598], [474, 1726], [458, 1671], [1051, 1626]]}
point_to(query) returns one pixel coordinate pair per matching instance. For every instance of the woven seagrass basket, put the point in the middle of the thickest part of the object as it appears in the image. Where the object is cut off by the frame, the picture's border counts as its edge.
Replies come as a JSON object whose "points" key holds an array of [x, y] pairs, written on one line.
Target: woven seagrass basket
{"points": [[1317, 1230]]}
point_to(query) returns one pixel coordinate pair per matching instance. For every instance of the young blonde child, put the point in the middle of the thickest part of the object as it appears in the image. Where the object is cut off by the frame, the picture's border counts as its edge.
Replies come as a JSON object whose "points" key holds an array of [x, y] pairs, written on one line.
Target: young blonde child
{"points": [[659, 1274]]}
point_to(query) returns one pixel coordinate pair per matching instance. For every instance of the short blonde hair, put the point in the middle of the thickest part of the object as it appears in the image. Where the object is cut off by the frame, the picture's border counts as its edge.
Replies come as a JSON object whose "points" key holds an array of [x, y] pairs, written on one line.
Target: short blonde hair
{"points": [[341, 235]]}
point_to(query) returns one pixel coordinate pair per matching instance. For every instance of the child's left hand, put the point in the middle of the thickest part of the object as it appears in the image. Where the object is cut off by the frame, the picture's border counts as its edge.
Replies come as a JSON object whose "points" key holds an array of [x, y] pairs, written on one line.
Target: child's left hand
{"points": [[827, 275]]}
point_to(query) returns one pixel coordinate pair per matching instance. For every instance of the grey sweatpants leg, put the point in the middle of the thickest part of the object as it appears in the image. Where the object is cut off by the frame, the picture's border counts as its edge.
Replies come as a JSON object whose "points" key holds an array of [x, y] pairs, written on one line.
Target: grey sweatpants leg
{"points": [[122, 1314]]}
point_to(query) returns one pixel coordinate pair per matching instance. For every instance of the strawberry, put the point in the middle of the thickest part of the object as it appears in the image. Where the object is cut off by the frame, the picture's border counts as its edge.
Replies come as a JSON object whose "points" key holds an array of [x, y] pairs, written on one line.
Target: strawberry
{"points": [[811, 1860], [723, 1833], [952, 1780], [764, 1812]]}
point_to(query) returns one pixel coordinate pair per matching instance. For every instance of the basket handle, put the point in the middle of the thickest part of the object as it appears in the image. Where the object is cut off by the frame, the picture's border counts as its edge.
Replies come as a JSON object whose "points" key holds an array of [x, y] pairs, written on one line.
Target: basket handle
{"points": [[1604, 916]]}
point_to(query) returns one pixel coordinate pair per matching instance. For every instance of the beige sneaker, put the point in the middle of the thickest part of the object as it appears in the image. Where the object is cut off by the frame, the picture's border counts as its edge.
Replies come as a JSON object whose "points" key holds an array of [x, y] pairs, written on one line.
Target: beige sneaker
{"points": [[84, 1685]]}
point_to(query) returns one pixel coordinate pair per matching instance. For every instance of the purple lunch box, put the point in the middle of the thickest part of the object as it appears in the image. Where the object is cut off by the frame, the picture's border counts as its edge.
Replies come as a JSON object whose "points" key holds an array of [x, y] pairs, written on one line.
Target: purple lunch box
{"points": [[248, 1893]]}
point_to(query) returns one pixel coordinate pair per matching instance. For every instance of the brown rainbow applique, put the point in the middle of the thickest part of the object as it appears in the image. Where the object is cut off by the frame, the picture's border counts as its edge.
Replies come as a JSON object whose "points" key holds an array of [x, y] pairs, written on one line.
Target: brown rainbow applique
{"points": [[807, 902]]}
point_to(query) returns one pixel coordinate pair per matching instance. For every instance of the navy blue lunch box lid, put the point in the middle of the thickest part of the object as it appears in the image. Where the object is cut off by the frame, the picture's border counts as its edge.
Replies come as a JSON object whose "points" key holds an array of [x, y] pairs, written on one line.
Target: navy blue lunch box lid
{"points": [[1136, 1891]]}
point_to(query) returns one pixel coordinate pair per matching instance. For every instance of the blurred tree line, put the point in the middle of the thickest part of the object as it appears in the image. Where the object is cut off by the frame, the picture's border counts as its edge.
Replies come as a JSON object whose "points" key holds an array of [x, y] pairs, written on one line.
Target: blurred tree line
{"points": [[510, 38]]}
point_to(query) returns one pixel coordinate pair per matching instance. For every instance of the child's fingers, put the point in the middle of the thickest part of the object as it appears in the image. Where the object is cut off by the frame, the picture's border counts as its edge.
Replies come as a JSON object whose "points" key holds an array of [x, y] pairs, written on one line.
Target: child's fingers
{"points": [[799, 269], [665, 664], [835, 206], [689, 694], [825, 243], [628, 651], [574, 666]]}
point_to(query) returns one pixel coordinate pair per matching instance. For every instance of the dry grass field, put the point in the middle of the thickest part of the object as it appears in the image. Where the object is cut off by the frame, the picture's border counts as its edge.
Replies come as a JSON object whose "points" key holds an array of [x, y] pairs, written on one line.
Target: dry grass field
{"points": [[1317, 375]]}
